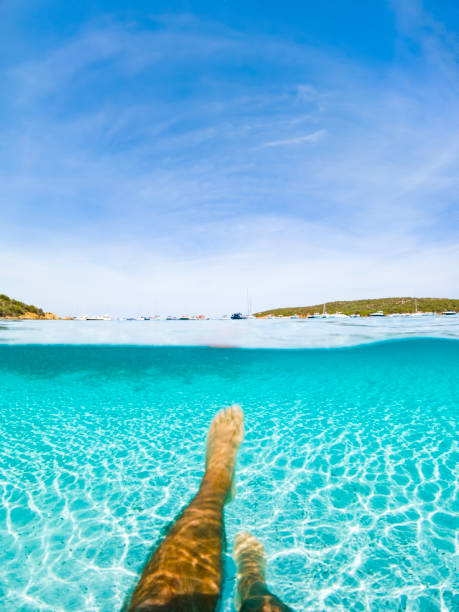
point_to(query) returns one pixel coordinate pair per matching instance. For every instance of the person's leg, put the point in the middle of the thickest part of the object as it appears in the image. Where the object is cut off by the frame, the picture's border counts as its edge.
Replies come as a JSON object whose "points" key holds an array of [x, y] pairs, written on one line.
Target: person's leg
{"points": [[253, 594], [185, 572]]}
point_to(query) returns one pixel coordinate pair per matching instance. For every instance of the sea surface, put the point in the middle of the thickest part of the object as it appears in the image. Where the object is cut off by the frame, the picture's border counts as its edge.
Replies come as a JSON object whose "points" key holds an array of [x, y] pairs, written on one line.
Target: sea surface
{"points": [[347, 473], [250, 333]]}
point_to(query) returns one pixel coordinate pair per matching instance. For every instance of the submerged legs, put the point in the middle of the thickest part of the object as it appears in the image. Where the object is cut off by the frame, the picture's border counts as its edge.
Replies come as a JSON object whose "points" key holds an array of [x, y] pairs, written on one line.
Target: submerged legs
{"points": [[185, 572]]}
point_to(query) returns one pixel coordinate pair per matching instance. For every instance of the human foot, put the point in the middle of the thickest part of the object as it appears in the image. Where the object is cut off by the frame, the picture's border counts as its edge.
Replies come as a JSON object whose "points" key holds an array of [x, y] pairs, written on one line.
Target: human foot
{"points": [[250, 558], [224, 439], [249, 554]]}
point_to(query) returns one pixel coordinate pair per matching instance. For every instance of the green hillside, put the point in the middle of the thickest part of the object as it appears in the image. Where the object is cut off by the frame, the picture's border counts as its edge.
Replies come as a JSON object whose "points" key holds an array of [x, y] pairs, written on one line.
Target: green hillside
{"points": [[15, 308], [365, 307]]}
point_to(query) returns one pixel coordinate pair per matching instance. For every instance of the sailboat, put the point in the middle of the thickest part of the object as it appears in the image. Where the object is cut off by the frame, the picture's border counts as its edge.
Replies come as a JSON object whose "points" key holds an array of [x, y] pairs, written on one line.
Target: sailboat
{"points": [[416, 313], [249, 307]]}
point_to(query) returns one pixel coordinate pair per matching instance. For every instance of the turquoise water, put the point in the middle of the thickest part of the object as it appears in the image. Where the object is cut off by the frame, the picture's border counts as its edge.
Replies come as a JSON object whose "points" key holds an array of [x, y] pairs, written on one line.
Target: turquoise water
{"points": [[346, 472]]}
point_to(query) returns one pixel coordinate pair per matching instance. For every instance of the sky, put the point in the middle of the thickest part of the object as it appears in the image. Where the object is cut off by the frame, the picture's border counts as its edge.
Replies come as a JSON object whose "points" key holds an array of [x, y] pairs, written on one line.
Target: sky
{"points": [[168, 157]]}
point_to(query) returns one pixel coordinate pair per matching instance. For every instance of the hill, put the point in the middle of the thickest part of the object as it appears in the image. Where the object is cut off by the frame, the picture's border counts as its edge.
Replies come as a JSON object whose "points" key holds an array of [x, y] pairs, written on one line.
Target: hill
{"points": [[15, 309], [365, 307]]}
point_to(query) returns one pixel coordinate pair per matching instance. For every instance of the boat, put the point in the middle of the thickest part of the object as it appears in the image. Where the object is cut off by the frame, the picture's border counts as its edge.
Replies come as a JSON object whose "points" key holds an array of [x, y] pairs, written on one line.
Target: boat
{"points": [[378, 313], [416, 313], [449, 312], [171, 318], [184, 318], [324, 315], [339, 315], [354, 315], [238, 315], [295, 316]]}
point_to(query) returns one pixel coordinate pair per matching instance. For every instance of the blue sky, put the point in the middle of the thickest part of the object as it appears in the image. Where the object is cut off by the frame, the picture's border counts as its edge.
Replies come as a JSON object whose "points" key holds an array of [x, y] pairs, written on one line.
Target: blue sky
{"points": [[167, 156]]}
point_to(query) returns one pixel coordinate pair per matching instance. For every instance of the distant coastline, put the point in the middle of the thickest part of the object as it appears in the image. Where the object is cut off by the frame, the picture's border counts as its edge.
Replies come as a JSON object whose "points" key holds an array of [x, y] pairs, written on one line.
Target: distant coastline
{"points": [[14, 309], [395, 305], [17, 310]]}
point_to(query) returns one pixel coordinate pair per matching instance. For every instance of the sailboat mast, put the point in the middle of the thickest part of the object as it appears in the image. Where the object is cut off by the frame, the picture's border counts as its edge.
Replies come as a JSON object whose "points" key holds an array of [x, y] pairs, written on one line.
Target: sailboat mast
{"points": [[249, 303]]}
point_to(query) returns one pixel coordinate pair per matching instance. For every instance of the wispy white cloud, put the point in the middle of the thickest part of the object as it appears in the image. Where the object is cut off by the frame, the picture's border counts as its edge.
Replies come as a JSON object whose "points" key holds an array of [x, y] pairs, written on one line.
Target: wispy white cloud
{"points": [[313, 137], [194, 194]]}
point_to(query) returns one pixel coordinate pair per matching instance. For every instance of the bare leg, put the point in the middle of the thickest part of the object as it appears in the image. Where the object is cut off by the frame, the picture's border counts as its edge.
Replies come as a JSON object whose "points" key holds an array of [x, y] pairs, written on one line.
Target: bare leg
{"points": [[253, 594], [185, 572]]}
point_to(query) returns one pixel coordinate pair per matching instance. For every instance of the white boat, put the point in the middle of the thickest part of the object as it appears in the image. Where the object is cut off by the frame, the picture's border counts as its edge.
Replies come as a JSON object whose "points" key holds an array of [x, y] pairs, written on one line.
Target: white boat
{"points": [[416, 313], [339, 315], [378, 313], [449, 312]]}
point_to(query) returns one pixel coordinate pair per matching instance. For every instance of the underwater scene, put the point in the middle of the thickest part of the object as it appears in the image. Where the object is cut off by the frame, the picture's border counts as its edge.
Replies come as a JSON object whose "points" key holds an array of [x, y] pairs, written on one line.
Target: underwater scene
{"points": [[346, 474]]}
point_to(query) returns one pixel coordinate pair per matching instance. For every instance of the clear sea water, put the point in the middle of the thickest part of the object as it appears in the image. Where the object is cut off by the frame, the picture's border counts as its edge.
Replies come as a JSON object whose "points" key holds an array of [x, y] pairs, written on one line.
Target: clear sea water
{"points": [[347, 473]]}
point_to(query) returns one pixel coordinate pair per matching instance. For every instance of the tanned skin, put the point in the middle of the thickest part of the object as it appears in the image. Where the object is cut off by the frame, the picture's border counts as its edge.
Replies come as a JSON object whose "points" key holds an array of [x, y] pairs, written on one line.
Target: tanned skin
{"points": [[185, 572], [253, 594]]}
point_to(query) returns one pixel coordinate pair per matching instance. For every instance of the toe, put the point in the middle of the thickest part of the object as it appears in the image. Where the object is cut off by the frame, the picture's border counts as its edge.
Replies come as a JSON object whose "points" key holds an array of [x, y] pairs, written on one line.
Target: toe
{"points": [[238, 415], [220, 416]]}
